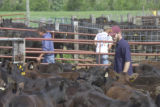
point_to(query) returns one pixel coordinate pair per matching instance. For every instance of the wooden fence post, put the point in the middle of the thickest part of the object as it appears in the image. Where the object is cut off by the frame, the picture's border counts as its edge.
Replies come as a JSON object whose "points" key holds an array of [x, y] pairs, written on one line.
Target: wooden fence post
{"points": [[56, 26], [143, 10], [76, 37], [19, 51], [27, 13], [134, 20], [62, 20], [50, 21], [72, 19], [129, 17], [41, 22], [157, 21], [93, 19], [108, 18], [122, 18]]}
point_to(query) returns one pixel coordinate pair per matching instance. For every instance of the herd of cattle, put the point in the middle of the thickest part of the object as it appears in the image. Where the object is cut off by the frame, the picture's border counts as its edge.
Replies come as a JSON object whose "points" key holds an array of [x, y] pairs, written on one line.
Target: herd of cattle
{"points": [[62, 85]]}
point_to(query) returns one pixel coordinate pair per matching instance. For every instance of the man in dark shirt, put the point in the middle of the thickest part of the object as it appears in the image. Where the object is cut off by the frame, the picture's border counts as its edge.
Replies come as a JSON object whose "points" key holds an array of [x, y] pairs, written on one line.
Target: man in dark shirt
{"points": [[47, 45], [122, 62]]}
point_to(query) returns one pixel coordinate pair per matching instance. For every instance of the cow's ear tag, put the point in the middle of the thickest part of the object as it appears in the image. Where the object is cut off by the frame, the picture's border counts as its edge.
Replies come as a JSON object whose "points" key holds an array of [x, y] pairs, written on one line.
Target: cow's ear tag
{"points": [[2, 88], [106, 74], [23, 73]]}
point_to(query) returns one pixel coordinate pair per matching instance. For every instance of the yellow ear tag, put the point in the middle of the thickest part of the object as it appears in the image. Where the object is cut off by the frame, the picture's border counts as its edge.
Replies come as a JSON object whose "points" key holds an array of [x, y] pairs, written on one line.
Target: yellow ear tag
{"points": [[23, 73], [20, 66], [131, 80]]}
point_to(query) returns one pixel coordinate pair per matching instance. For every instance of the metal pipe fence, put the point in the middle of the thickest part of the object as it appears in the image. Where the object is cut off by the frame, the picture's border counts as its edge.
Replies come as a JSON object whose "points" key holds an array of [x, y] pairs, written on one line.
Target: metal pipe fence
{"points": [[141, 55], [147, 40], [16, 17]]}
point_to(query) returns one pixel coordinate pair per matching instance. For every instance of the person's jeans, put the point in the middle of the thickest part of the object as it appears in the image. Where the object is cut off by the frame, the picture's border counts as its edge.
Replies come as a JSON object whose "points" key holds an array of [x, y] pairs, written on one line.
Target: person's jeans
{"points": [[103, 59], [48, 59]]}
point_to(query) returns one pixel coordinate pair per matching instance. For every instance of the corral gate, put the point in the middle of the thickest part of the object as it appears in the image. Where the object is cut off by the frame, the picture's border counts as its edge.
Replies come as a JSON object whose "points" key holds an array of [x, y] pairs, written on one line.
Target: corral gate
{"points": [[18, 50]]}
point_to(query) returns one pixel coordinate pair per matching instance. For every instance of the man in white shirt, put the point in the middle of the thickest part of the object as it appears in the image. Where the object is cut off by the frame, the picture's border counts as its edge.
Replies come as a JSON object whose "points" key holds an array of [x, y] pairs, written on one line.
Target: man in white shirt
{"points": [[103, 47]]}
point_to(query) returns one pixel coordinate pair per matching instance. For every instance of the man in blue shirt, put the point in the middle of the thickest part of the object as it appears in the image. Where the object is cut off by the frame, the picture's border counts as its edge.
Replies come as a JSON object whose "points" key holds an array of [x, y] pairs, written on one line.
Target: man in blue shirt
{"points": [[122, 62], [47, 45]]}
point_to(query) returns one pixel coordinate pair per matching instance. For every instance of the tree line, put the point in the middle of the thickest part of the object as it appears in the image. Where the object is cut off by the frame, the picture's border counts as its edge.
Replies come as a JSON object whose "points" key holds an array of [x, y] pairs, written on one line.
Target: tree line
{"points": [[78, 5]]}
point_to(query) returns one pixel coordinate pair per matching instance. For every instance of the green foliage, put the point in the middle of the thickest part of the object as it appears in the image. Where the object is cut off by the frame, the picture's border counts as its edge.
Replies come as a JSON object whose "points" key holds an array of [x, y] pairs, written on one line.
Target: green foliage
{"points": [[21, 4], [39, 5], [55, 5], [58, 56], [79, 5], [75, 5], [12, 5], [102, 5], [69, 56]]}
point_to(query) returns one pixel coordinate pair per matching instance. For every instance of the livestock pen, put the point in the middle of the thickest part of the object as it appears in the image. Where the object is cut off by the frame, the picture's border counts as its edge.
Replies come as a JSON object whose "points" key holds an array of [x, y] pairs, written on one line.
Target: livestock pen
{"points": [[136, 55], [58, 84], [78, 35]]}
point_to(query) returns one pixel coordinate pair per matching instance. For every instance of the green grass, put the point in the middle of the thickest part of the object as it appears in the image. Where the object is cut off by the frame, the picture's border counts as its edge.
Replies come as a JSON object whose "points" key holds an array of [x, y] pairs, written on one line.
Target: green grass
{"points": [[79, 14]]}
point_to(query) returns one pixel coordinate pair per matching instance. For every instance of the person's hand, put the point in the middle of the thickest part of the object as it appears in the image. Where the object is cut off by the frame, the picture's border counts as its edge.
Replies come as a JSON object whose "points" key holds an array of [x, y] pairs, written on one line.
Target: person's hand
{"points": [[38, 59]]}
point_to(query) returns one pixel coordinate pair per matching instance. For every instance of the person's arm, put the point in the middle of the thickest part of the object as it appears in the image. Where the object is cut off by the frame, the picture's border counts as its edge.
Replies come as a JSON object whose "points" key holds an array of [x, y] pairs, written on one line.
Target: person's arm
{"points": [[95, 43], [126, 67], [127, 57], [109, 47], [110, 44], [45, 46], [40, 57]]}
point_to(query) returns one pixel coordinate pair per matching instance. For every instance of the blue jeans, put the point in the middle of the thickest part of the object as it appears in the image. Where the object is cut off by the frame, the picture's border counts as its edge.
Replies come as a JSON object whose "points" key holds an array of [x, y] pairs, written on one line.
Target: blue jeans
{"points": [[48, 59], [103, 59]]}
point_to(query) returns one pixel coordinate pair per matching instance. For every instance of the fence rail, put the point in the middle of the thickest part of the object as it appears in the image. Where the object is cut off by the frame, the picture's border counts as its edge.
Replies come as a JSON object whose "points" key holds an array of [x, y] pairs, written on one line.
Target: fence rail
{"points": [[79, 52]]}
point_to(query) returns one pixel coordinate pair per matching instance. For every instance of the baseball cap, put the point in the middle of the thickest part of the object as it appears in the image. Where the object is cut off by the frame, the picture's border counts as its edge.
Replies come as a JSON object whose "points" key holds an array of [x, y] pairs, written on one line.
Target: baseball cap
{"points": [[106, 27], [115, 29]]}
